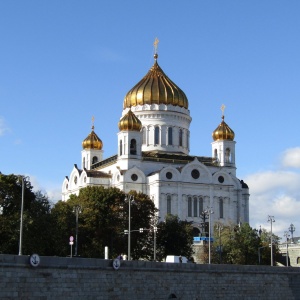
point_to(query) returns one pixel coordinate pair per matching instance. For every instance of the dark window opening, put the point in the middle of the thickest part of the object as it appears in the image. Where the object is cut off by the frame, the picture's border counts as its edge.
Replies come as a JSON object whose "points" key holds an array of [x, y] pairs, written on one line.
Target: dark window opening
{"points": [[121, 148], [170, 136], [133, 147], [180, 137], [195, 174], [156, 136]]}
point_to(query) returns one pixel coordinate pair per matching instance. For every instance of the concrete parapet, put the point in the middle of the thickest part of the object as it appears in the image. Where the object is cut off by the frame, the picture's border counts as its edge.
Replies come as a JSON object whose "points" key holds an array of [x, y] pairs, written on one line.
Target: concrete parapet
{"points": [[80, 278]]}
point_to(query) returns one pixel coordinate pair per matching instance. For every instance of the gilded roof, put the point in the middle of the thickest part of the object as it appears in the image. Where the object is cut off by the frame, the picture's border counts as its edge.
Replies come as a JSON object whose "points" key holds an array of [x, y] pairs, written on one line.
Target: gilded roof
{"points": [[223, 132], [92, 141], [130, 122], [155, 88]]}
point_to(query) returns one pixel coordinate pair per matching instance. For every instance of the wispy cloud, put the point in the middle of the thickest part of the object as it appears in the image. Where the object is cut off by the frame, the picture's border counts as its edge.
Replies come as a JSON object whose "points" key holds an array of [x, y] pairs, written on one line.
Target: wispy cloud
{"points": [[18, 142], [52, 191], [3, 128], [104, 54], [291, 158], [277, 193]]}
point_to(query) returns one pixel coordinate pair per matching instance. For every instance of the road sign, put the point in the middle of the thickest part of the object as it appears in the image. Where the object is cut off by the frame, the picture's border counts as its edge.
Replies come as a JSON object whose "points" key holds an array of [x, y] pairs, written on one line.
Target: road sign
{"points": [[71, 240]]}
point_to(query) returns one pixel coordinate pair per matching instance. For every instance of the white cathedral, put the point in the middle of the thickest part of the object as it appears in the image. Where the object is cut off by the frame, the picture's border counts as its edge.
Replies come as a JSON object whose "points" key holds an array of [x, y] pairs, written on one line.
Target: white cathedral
{"points": [[153, 157]]}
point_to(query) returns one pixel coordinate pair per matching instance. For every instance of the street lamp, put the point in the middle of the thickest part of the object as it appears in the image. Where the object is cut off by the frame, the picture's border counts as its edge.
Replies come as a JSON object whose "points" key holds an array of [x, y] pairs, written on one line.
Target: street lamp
{"points": [[271, 220], [130, 200], [77, 211], [203, 216], [292, 230], [220, 227], [154, 232], [23, 178], [286, 234], [209, 211]]}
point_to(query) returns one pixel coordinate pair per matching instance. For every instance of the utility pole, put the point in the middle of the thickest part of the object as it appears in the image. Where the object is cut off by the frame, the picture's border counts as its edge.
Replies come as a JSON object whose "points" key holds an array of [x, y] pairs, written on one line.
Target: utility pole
{"points": [[23, 178], [271, 220], [77, 211], [286, 234]]}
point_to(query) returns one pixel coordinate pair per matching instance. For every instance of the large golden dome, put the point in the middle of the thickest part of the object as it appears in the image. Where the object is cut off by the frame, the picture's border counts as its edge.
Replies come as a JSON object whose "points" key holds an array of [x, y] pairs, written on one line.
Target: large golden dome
{"points": [[92, 141], [155, 88], [223, 132], [130, 122]]}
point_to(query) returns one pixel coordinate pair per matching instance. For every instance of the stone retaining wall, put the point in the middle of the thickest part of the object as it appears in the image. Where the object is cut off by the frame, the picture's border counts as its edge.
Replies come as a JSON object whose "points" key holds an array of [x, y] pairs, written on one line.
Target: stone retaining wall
{"points": [[79, 278]]}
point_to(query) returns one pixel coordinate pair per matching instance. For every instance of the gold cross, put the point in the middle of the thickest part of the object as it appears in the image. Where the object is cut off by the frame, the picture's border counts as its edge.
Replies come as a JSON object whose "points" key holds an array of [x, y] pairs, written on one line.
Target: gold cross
{"points": [[93, 120], [223, 109], [155, 45]]}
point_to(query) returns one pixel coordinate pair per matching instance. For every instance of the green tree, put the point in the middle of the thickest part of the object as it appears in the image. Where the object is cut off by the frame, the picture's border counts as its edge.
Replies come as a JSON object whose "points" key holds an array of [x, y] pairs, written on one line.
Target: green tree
{"points": [[102, 222], [242, 245], [174, 237], [62, 227], [36, 217], [265, 249]]}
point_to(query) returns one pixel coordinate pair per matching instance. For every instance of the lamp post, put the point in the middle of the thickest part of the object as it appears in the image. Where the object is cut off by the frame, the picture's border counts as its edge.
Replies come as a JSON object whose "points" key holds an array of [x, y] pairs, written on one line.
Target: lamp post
{"points": [[286, 234], [23, 178], [292, 229], [203, 216], [209, 211], [271, 220], [130, 200], [77, 211], [220, 227], [154, 232]]}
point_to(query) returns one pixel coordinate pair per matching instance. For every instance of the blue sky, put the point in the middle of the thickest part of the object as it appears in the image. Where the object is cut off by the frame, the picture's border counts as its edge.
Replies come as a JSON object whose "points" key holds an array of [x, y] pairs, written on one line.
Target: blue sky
{"points": [[63, 62]]}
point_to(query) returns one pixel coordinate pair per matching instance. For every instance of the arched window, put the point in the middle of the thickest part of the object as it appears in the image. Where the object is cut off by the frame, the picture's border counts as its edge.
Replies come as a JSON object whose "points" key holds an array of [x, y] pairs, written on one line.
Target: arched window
{"points": [[95, 159], [200, 206], [180, 137], [144, 135], [133, 147], [169, 204], [221, 208], [170, 136], [121, 148], [227, 155], [298, 260], [195, 206], [216, 153], [189, 206], [83, 163], [156, 136]]}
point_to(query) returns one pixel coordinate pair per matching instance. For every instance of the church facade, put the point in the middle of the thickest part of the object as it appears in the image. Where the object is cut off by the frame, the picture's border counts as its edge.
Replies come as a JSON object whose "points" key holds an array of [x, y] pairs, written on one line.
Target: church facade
{"points": [[153, 157]]}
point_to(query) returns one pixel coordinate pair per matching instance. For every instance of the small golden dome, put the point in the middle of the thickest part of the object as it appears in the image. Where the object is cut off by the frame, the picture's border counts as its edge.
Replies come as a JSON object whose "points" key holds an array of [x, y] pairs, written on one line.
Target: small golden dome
{"points": [[92, 141], [130, 122], [155, 88], [223, 132]]}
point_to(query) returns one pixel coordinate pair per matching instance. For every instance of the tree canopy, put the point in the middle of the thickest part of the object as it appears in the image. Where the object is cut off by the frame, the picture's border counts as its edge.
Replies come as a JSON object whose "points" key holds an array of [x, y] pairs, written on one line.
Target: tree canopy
{"points": [[101, 221], [175, 238], [241, 244], [36, 217]]}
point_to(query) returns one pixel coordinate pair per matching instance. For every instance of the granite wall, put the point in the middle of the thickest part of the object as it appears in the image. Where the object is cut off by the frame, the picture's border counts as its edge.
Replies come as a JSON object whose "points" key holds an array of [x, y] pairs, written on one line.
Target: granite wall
{"points": [[79, 278]]}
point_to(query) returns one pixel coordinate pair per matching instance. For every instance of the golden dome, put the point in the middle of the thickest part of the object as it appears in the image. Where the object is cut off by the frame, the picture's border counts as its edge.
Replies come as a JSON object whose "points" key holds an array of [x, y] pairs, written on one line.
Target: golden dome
{"points": [[223, 132], [92, 141], [155, 88], [130, 122]]}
